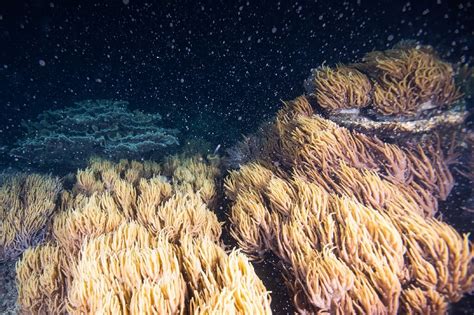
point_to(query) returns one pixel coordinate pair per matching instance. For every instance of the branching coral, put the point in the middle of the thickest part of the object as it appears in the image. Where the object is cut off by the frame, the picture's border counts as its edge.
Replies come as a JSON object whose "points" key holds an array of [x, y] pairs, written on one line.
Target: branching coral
{"points": [[95, 216], [186, 215], [194, 174], [351, 219], [101, 175], [396, 98], [418, 301], [27, 203]]}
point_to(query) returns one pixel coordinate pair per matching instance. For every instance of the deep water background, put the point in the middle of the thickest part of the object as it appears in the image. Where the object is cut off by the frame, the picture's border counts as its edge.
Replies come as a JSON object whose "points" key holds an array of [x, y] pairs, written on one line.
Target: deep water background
{"points": [[213, 69]]}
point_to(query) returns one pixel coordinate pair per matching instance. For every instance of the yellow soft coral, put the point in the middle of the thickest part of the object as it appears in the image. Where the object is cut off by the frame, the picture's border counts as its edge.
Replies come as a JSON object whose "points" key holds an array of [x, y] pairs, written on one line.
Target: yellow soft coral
{"points": [[128, 241], [27, 203], [342, 88], [351, 219], [400, 82]]}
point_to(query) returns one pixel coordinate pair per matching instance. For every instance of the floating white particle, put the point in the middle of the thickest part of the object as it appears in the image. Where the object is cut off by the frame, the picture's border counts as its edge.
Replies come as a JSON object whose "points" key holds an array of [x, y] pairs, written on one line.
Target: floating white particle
{"points": [[125, 2], [274, 29], [390, 37], [42, 63]]}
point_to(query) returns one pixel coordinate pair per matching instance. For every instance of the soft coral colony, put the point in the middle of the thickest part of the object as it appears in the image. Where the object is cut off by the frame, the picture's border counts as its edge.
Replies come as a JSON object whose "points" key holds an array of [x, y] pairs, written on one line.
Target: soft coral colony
{"points": [[127, 240], [351, 216], [351, 219], [404, 80]]}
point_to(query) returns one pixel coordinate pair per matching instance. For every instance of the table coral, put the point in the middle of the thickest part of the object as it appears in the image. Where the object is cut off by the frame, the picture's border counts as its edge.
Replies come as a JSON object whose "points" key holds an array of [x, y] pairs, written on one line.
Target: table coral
{"points": [[104, 128]]}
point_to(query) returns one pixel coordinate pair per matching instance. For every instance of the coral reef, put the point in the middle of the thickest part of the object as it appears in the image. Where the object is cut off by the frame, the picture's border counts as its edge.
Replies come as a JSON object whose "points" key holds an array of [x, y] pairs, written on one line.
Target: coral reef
{"points": [[139, 238], [403, 81], [406, 96], [343, 187], [351, 219], [27, 202], [103, 128]]}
